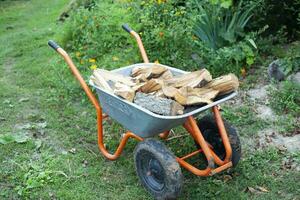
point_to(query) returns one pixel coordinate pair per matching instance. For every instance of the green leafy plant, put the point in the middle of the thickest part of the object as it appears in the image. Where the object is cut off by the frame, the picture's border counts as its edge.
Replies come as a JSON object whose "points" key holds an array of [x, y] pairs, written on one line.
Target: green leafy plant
{"points": [[165, 27], [280, 16], [217, 26], [286, 99]]}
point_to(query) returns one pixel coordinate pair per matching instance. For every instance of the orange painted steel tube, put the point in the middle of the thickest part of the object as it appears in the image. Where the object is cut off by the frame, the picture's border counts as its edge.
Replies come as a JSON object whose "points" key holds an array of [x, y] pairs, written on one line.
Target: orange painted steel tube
{"points": [[191, 154], [221, 168], [195, 132], [100, 117], [164, 135], [223, 134], [141, 46], [193, 169]]}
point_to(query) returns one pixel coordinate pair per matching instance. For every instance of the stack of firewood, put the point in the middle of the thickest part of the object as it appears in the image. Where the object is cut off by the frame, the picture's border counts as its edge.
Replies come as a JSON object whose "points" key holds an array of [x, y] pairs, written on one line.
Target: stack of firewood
{"points": [[158, 90]]}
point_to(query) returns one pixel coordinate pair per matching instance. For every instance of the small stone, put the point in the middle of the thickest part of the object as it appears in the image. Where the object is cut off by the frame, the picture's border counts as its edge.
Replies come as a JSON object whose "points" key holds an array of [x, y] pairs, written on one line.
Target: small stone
{"points": [[275, 70]]}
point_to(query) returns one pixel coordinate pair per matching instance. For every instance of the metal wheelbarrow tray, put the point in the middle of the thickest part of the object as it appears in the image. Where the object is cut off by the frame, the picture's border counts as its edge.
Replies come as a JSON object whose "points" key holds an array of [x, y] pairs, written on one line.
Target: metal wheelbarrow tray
{"points": [[141, 121]]}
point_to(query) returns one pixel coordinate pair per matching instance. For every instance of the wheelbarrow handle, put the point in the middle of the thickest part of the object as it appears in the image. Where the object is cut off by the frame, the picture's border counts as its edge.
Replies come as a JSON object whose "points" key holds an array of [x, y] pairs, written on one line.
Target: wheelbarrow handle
{"points": [[53, 45], [76, 73], [138, 40], [126, 28]]}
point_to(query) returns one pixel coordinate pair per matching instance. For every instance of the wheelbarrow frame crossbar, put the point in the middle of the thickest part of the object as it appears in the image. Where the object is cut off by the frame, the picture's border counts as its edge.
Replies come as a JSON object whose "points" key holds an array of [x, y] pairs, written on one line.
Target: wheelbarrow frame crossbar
{"points": [[190, 125]]}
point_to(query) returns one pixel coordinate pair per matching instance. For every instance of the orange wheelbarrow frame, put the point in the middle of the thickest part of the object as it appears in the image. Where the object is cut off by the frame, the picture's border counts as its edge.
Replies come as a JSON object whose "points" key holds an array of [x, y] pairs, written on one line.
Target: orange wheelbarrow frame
{"points": [[190, 125]]}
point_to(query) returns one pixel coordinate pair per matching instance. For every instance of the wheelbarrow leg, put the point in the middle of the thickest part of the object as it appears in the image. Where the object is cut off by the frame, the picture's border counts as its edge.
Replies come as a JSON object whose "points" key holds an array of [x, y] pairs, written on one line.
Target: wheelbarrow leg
{"points": [[224, 136], [191, 126]]}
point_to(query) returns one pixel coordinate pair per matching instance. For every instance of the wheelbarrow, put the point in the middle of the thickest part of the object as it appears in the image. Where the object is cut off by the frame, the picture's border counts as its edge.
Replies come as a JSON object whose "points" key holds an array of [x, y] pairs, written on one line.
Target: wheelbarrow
{"points": [[157, 167]]}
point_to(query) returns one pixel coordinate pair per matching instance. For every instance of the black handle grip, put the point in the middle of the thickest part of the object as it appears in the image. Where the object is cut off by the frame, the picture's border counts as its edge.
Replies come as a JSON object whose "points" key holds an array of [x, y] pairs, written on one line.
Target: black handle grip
{"points": [[126, 28], [53, 44]]}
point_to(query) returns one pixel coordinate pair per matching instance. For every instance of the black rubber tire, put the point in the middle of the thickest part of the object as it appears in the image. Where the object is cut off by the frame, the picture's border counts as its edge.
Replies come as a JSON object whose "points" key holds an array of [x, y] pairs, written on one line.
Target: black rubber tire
{"points": [[157, 169], [210, 132]]}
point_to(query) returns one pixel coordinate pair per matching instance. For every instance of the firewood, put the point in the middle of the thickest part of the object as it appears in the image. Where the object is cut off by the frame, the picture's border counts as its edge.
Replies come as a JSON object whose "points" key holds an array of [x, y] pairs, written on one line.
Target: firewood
{"points": [[160, 93], [195, 100], [202, 92], [192, 79], [152, 86], [138, 86], [140, 78], [224, 84], [100, 82], [189, 95], [149, 72], [114, 77], [158, 105], [166, 75], [124, 91], [169, 91]]}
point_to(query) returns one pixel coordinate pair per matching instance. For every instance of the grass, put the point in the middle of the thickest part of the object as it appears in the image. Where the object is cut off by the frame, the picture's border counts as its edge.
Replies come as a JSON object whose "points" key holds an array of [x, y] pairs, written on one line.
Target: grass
{"points": [[61, 159]]}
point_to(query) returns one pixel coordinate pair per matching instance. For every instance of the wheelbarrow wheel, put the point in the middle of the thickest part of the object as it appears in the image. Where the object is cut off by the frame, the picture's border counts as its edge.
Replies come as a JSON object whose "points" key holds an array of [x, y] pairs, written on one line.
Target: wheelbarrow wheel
{"points": [[210, 132], [157, 169]]}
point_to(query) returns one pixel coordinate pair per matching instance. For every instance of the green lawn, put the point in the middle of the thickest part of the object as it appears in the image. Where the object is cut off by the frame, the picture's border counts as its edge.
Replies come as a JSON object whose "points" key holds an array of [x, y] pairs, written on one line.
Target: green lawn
{"points": [[60, 158]]}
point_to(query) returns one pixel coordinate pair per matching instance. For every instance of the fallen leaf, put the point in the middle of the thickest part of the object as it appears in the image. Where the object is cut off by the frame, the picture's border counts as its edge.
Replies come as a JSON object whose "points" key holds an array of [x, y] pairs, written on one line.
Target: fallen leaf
{"points": [[23, 100], [262, 189], [226, 178]]}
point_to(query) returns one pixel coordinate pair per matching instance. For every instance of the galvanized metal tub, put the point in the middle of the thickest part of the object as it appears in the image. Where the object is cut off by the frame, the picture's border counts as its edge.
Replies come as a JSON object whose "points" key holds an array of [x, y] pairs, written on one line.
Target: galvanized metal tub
{"points": [[140, 121]]}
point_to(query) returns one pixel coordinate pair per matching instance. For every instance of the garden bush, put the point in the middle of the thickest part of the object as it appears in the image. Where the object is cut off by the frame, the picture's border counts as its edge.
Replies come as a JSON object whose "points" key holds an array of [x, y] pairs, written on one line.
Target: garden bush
{"points": [[166, 29], [281, 17], [223, 43], [97, 37]]}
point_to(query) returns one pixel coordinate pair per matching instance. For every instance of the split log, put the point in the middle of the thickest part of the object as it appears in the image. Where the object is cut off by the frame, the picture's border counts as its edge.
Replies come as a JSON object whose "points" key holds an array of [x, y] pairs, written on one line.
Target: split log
{"points": [[101, 82], [124, 91], [192, 79], [140, 78], [190, 96], [114, 77], [169, 91], [166, 75], [160, 93], [158, 105], [224, 84], [152, 86], [149, 72]]}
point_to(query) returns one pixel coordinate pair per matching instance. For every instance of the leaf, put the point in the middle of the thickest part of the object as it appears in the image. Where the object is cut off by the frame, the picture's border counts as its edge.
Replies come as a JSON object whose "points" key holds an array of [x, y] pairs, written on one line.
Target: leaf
{"points": [[23, 100], [251, 190], [10, 138], [262, 189], [6, 139], [252, 43], [226, 4], [21, 138]]}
